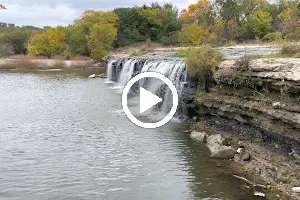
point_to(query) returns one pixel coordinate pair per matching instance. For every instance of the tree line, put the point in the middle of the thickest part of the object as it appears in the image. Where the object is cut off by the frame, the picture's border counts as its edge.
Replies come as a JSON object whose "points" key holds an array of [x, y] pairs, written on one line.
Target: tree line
{"points": [[217, 22]]}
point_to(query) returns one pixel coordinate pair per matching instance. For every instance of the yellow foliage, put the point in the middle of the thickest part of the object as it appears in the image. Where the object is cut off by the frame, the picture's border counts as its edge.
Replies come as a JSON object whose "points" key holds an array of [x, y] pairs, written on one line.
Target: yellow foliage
{"points": [[196, 13], [195, 35], [47, 43], [102, 35], [100, 28], [291, 23], [91, 17]]}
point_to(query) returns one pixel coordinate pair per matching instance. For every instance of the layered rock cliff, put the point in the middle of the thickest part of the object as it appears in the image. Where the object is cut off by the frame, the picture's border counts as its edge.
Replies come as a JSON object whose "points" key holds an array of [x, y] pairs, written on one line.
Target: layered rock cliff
{"points": [[257, 103]]}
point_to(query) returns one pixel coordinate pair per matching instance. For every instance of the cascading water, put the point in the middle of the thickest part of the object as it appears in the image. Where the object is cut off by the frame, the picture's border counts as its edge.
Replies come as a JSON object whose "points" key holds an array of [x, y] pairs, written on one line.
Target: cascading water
{"points": [[110, 70], [121, 71]]}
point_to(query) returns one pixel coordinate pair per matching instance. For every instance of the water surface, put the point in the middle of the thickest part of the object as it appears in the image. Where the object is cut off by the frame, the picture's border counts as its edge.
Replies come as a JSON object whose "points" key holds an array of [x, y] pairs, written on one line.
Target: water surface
{"points": [[63, 136]]}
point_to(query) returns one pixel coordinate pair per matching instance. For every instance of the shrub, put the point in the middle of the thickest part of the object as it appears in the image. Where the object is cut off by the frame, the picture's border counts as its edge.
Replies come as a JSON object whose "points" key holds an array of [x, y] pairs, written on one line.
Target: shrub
{"points": [[273, 37], [243, 64], [202, 63], [172, 40], [290, 49]]}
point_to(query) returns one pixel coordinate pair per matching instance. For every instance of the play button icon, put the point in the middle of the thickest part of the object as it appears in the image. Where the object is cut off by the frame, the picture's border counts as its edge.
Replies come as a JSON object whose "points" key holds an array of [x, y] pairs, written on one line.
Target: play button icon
{"points": [[148, 100]]}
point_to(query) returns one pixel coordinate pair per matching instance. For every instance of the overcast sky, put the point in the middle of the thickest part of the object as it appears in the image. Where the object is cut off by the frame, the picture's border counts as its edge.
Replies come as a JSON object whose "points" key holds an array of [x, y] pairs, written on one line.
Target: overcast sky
{"points": [[63, 12]]}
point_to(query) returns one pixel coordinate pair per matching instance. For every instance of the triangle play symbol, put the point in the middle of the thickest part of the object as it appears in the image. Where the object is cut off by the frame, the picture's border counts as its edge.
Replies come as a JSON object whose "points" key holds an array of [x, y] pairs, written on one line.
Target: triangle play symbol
{"points": [[147, 100]]}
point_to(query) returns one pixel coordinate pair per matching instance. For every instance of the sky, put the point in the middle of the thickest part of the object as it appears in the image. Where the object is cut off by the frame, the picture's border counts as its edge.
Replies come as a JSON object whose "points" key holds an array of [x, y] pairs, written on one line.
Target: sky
{"points": [[63, 12]]}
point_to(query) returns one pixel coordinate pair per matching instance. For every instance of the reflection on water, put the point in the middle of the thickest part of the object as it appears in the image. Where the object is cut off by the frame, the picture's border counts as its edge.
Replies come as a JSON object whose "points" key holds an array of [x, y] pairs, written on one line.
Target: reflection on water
{"points": [[63, 136]]}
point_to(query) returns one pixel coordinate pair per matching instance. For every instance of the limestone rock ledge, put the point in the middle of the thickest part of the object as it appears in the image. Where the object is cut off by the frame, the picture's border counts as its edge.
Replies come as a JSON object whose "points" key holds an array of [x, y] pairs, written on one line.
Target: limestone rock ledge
{"points": [[264, 94]]}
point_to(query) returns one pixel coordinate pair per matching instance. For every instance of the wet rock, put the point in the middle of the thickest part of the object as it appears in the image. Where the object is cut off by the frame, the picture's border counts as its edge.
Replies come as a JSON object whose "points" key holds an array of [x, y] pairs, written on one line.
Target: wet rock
{"points": [[242, 156], [259, 194], [296, 189], [223, 152], [215, 143], [199, 136], [195, 118], [276, 105], [92, 76], [102, 76]]}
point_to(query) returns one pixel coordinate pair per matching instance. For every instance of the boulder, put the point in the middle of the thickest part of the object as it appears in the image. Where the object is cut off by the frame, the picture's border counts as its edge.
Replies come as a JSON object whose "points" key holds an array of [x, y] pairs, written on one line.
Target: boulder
{"points": [[93, 76], [215, 143], [224, 152], [276, 105], [199, 136], [259, 194]]}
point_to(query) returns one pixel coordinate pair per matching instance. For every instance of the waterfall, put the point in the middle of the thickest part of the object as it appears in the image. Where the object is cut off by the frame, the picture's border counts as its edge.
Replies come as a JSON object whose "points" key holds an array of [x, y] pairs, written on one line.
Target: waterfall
{"points": [[110, 70], [122, 70]]}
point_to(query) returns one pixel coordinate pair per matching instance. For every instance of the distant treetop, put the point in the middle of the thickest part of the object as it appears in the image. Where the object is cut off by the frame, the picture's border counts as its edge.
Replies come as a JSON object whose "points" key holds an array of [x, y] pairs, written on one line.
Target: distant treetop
{"points": [[2, 6]]}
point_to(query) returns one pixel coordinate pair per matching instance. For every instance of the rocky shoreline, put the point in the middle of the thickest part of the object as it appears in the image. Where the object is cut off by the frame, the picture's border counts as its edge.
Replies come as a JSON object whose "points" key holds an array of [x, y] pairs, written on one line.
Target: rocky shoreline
{"points": [[254, 115]]}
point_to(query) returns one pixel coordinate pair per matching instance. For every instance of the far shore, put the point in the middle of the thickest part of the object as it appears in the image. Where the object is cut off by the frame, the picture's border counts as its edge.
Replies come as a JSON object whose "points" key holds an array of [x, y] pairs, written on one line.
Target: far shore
{"points": [[27, 62]]}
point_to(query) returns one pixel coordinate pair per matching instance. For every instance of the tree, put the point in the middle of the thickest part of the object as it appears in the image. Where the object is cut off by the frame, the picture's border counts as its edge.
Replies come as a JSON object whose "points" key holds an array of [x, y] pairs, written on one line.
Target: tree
{"points": [[291, 23], [259, 24], [129, 22], [196, 13], [91, 17], [101, 39], [138, 23], [18, 40], [2, 6], [194, 35], [76, 42], [47, 43], [100, 28]]}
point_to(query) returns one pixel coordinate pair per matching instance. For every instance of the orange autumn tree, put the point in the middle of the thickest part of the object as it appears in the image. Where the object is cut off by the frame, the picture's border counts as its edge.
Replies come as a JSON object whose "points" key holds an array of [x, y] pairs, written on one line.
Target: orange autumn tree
{"points": [[196, 30], [196, 13]]}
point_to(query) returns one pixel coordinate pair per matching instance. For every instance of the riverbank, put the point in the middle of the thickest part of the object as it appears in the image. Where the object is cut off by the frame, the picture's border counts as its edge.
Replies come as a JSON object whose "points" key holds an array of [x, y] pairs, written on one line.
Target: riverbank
{"points": [[255, 105], [27, 62]]}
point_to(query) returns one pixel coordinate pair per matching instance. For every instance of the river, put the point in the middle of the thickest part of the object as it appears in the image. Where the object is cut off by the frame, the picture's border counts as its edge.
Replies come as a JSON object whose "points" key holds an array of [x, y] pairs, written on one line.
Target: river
{"points": [[63, 136]]}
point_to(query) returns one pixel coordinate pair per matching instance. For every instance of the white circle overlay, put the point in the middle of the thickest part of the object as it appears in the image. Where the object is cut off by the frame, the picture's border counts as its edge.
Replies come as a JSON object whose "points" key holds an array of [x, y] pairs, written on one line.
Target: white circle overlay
{"points": [[125, 100]]}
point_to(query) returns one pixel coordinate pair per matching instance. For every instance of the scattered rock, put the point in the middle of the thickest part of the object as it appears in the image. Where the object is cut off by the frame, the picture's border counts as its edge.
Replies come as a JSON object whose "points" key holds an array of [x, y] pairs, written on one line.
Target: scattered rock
{"points": [[102, 76], [92, 76], [242, 156], [220, 165], [217, 122], [195, 118], [200, 136], [215, 143], [296, 189], [224, 152], [276, 105], [259, 194]]}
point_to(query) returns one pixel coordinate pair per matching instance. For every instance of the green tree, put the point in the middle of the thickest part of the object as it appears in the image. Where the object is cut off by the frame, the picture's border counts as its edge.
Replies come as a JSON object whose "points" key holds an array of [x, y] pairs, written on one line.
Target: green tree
{"points": [[259, 24], [100, 28], [129, 22], [18, 39], [76, 42]]}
